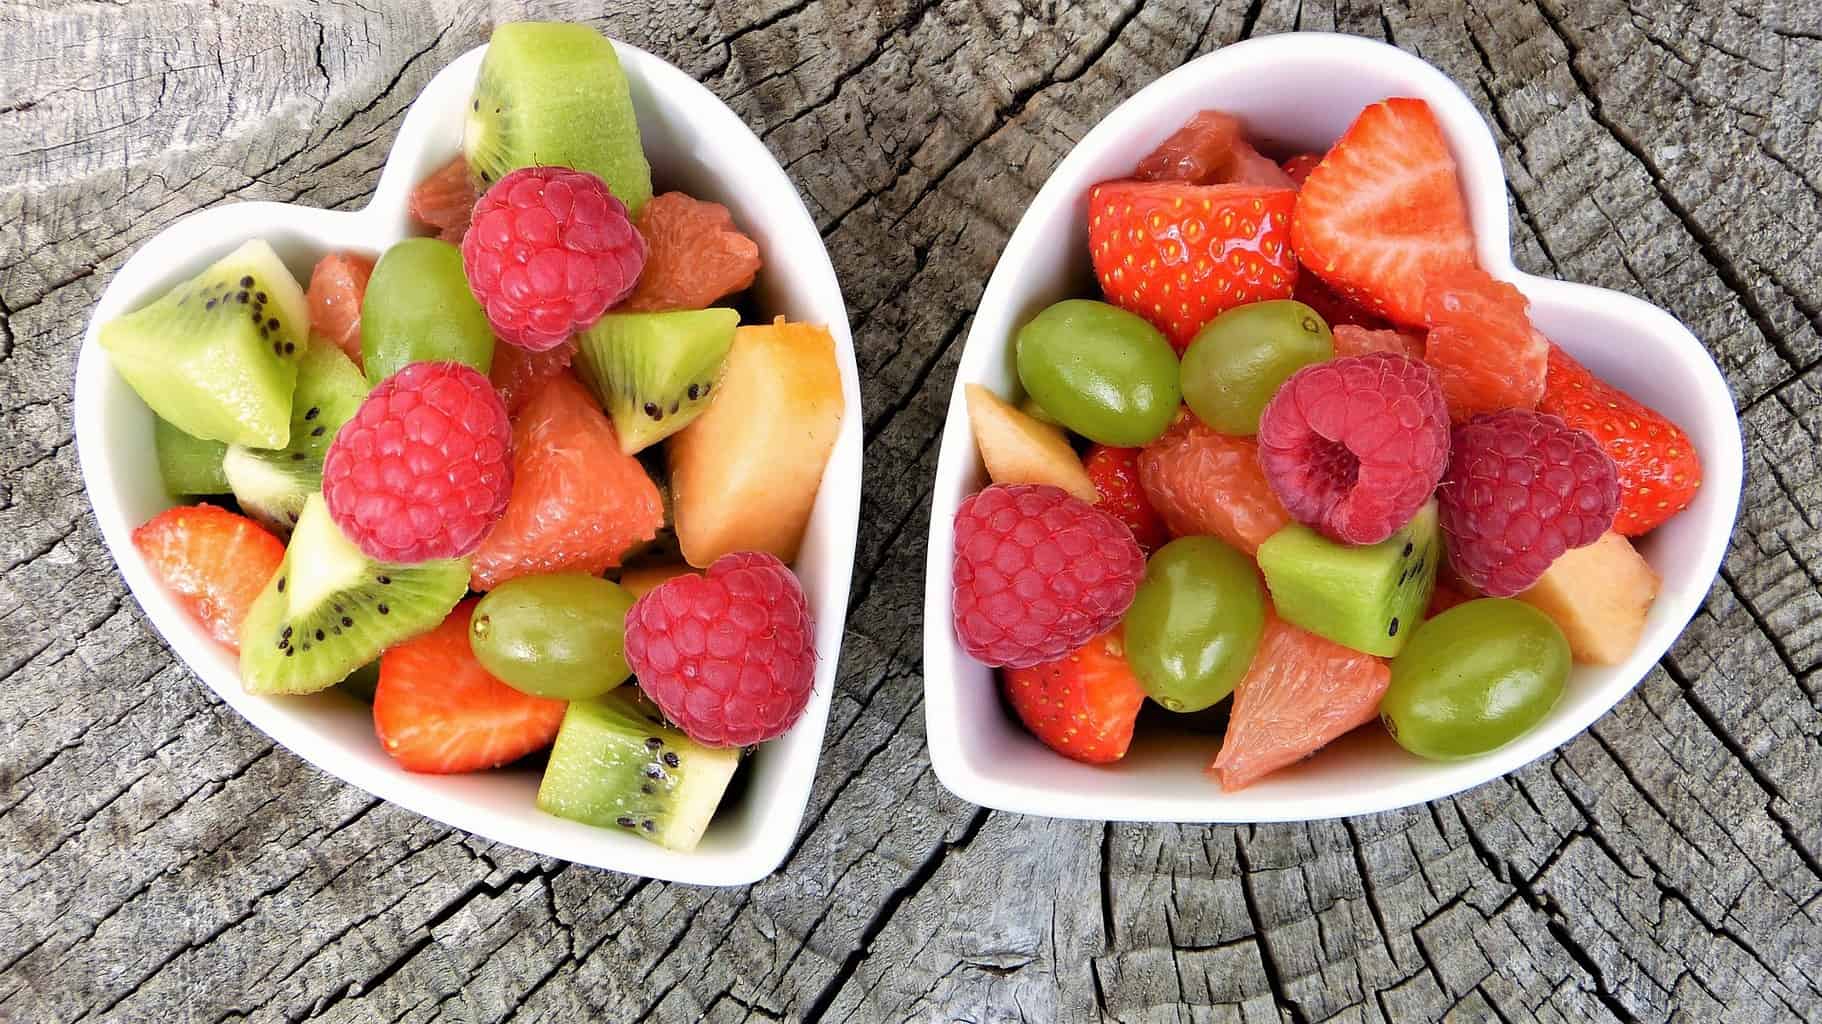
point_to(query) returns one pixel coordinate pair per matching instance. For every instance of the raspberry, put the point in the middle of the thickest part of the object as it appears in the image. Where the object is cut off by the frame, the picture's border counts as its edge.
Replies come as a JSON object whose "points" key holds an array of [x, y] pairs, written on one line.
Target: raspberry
{"points": [[549, 250], [730, 657], [1355, 446], [1038, 573], [1523, 487], [424, 467]]}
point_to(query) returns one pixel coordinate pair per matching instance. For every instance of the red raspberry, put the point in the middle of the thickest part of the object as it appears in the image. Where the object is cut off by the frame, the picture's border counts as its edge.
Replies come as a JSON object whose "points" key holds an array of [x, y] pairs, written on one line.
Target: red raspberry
{"points": [[1115, 473], [730, 656], [1523, 487], [1038, 573], [1355, 446], [550, 249], [424, 467]]}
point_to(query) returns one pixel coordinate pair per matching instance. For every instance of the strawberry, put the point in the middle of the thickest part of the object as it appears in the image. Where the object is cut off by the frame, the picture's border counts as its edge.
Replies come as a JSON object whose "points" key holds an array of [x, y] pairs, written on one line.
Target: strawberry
{"points": [[1115, 473], [1383, 210], [1659, 470], [213, 561], [437, 710], [1300, 166], [1178, 255], [1481, 343], [1084, 704]]}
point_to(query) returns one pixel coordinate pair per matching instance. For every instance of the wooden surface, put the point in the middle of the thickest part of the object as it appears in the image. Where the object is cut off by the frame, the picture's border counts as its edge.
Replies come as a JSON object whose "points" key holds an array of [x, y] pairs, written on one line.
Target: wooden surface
{"points": [[160, 860]]}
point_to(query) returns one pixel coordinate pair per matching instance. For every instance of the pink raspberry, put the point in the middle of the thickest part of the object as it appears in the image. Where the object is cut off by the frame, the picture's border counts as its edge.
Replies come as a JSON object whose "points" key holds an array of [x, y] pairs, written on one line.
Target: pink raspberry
{"points": [[1038, 573], [1523, 487], [424, 468], [549, 250], [730, 657], [1355, 446]]}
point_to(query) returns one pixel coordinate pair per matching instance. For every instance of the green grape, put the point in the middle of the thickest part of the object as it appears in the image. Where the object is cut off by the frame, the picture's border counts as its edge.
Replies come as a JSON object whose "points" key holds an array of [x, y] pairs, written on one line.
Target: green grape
{"points": [[1237, 362], [1195, 623], [418, 307], [1475, 678], [560, 636], [1100, 371]]}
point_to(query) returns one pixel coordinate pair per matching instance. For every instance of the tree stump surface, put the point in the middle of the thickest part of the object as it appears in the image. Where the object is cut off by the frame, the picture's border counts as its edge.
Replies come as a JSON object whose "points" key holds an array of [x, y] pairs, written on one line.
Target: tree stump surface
{"points": [[161, 860]]}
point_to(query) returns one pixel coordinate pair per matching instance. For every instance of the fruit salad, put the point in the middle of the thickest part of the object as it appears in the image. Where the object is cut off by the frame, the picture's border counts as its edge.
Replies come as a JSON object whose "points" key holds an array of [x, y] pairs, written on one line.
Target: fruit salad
{"points": [[527, 483], [1305, 464]]}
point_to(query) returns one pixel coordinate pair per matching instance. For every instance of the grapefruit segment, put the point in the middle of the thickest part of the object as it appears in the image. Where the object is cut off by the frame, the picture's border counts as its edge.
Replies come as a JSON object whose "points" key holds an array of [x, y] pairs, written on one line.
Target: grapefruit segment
{"points": [[578, 504], [337, 286], [1299, 693], [1203, 482]]}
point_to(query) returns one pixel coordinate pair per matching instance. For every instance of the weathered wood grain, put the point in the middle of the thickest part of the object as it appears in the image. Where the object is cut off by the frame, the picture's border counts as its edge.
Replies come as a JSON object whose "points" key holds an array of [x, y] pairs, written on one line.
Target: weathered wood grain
{"points": [[161, 861]]}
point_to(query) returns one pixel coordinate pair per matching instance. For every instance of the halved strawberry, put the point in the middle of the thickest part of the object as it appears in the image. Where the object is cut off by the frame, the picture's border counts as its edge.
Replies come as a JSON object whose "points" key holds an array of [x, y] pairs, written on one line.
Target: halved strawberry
{"points": [[1115, 474], [1082, 705], [1658, 467], [437, 710], [1384, 210], [1358, 341], [444, 202], [1481, 343], [213, 561], [1300, 692], [337, 287], [1179, 255]]}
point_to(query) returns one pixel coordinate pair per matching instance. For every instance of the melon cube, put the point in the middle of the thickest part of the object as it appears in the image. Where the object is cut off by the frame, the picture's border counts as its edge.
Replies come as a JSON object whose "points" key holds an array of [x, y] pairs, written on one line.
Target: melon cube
{"points": [[1599, 595], [745, 473], [1019, 449]]}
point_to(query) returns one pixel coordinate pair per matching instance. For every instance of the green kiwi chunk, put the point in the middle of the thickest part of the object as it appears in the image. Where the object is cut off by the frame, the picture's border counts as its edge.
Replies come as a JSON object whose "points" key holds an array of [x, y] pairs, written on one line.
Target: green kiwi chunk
{"points": [[330, 609], [655, 372], [418, 307], [217, 355], [189, 465], [553, 93], [271, 485], [1368, 597], [617, 765]]}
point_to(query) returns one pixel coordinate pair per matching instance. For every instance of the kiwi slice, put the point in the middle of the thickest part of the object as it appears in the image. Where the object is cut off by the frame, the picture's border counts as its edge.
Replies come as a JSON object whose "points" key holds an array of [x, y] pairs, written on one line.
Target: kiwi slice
{"points": [[617, 765], [330, 609], [271, 485], [217, 355], [553, 93], [654, 372], [189, 465], [1368, 597]]}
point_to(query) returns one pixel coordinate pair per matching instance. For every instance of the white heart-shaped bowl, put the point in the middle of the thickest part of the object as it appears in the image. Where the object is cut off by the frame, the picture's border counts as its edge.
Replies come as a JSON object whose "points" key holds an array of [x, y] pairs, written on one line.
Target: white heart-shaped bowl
{"points": [[695, 143], [1297, 93]]}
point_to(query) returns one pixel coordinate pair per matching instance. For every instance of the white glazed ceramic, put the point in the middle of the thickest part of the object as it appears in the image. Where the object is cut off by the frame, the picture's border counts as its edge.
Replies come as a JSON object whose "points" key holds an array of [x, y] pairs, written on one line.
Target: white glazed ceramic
{"points": [[1298, 93], [695, 143]]}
